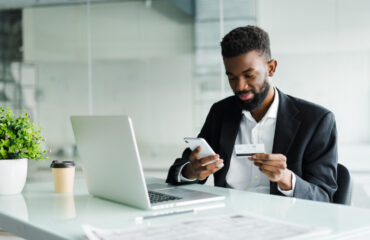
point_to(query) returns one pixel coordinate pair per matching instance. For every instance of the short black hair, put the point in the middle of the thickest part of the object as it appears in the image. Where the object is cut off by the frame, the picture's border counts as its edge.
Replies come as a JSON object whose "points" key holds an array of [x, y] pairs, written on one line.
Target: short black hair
{"points": [[245, 39]]}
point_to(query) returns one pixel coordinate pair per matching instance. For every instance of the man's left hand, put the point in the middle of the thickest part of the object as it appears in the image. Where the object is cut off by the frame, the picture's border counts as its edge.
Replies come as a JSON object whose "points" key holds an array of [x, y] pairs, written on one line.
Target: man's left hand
{"points": [[274, 166]]}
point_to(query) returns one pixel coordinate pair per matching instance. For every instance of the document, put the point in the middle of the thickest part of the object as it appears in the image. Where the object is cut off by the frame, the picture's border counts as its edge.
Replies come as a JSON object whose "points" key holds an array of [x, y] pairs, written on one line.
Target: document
{"points": [[237, 226]]}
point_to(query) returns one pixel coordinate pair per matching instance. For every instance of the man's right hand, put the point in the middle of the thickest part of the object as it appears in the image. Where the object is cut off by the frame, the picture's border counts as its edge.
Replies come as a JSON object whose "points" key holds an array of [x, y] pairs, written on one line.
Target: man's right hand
{"points": [[197, 168]]}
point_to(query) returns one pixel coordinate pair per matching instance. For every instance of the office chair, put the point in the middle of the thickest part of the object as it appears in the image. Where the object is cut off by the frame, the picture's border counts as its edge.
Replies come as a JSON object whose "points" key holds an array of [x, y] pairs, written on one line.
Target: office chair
{"points": [[344, 191]]}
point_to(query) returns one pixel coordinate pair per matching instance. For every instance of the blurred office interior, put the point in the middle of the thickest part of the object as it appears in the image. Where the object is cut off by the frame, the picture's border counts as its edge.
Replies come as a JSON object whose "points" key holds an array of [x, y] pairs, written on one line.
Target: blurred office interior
{"points": [[159, 61]]}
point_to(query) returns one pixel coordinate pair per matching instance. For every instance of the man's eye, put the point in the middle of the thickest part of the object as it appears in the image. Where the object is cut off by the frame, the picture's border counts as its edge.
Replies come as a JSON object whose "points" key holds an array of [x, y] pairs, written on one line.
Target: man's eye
{"points": [[248, 76]]}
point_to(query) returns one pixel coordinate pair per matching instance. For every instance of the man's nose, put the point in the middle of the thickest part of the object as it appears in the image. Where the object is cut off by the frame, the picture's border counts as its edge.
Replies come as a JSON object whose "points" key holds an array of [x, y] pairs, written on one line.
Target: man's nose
{"points": [[241, 84]]}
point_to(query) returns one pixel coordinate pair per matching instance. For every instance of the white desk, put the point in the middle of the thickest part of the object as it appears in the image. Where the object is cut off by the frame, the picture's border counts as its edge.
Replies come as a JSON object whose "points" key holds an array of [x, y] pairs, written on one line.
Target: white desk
{"points": [[39, 213]]}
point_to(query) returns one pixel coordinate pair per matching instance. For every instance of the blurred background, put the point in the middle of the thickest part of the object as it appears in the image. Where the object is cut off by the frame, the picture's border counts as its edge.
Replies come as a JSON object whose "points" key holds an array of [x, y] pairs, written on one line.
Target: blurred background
{"points": [[159, 61]]}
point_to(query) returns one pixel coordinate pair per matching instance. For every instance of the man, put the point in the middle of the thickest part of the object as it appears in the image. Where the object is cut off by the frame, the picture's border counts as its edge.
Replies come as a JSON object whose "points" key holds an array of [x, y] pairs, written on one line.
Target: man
{"points": [[300, 137]]}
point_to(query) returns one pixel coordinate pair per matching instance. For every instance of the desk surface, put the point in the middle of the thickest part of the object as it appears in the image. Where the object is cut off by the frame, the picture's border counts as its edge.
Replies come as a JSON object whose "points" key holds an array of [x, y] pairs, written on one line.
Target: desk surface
{"points": [[39, 213]]}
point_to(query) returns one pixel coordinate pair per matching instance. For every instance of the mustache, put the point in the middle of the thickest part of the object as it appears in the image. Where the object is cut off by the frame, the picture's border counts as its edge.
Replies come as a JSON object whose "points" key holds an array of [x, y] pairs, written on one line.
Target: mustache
{"points": [[245, 92]]}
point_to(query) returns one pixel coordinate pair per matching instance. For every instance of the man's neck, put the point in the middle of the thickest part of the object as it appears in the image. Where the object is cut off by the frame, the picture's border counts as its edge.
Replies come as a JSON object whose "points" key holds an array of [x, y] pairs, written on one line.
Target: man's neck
{"points": [[260, 112]]}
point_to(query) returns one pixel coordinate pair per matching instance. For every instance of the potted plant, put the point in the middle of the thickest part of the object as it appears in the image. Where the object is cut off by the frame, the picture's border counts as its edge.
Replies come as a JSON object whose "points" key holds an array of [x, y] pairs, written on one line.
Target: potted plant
{"points": [[20, 140]]}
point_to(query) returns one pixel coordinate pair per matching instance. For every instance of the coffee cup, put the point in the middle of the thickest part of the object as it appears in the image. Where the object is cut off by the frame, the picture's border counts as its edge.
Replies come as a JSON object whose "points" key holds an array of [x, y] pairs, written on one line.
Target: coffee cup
{"points": [[63, 175]]}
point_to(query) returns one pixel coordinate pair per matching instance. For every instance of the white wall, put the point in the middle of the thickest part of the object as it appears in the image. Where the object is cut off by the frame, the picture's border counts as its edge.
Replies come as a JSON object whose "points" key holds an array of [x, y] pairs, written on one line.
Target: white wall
{"points": [[316, 25]]}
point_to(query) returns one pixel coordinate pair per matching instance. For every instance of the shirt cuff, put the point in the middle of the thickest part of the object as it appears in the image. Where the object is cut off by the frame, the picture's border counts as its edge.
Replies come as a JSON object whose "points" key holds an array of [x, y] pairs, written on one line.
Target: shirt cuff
{"points": [[289, 193], [181, 178]]}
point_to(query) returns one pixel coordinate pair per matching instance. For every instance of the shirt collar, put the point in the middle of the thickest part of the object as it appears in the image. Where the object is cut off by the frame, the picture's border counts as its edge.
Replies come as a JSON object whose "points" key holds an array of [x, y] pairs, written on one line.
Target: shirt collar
{"points": [[271, 112]]}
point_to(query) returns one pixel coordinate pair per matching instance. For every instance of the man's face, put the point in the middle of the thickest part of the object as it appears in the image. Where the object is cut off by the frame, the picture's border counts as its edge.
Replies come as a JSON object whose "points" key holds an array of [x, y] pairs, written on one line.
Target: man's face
{"points": [[248, 77]]}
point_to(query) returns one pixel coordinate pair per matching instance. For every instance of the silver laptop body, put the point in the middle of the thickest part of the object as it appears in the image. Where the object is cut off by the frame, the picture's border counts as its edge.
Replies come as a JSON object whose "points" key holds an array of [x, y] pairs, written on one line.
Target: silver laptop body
{"points": [[112, 165]]}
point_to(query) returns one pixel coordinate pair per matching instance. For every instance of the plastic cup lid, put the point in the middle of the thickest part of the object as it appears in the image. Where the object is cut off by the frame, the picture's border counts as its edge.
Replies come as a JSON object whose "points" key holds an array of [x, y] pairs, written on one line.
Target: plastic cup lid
{"points": [[62, 164]]}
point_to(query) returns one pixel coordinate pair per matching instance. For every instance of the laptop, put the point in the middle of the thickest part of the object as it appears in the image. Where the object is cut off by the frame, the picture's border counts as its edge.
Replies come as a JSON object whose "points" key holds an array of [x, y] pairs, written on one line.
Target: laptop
{"points": [[113, 170]]}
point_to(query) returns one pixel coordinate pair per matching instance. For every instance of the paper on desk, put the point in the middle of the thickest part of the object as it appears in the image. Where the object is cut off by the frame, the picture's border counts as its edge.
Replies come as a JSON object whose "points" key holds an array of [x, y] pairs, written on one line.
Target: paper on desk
{"points": [[238, 226]]}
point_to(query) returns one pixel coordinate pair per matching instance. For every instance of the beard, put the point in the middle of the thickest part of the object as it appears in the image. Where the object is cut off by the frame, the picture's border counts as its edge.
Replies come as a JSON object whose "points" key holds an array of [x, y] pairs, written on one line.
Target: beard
{"points": [[253, 104]]}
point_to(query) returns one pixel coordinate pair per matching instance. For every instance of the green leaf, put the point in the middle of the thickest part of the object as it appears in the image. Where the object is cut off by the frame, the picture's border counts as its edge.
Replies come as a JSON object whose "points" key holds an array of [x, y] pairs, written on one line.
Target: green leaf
{"points": [[3, 153]]}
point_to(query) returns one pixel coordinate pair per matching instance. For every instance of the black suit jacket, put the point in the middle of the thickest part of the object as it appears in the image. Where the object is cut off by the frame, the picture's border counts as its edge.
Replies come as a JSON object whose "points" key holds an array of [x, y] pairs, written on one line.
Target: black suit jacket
{"points": [[305, 133]]}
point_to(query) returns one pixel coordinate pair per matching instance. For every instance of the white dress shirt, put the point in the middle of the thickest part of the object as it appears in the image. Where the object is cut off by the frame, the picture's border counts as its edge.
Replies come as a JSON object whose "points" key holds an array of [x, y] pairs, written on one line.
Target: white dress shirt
{"points": [[242, 173]]}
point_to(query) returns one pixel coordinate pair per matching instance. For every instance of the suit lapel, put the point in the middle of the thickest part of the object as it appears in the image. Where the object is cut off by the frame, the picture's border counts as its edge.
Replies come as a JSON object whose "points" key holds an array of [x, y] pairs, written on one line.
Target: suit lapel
{"points": [[286, 128], [229, 131]]}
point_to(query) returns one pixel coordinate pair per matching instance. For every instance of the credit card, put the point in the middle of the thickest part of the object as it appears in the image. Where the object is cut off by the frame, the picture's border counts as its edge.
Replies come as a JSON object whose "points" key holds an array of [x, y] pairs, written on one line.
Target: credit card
{"points": [[247, 150]]}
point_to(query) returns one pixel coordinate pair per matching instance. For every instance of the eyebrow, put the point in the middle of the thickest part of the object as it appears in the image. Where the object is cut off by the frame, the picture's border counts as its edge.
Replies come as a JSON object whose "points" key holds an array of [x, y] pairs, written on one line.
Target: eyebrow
{"points": [[245, 71]]}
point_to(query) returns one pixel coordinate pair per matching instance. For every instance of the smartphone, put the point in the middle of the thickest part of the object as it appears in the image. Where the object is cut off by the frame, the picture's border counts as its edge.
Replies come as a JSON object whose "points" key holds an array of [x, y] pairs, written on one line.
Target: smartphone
{"points": [[206, 150]]}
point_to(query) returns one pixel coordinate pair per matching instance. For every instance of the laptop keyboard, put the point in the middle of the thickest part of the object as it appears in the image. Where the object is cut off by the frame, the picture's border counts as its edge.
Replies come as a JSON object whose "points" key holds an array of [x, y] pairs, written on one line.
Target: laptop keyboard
{"points": [[156, 197]]}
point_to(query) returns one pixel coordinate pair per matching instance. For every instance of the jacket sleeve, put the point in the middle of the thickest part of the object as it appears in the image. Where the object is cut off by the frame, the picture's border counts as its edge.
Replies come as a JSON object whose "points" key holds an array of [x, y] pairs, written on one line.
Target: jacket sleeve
{"points": [[319, 169], [206, 133]]}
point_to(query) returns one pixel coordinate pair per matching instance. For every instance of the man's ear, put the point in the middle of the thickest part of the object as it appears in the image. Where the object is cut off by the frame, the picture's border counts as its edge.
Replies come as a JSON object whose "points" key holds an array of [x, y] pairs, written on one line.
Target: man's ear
{"points": [[271, 65]]}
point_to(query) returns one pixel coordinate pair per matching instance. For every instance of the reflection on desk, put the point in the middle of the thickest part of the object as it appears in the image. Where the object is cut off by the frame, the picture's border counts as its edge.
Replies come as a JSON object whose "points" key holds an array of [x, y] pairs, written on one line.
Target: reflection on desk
{"points": [[39, 213]]}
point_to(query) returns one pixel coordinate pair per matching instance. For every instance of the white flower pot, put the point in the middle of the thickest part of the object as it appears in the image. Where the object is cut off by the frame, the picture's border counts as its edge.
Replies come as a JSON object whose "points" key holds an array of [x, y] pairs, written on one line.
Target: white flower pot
{"points": [[13, 175]]}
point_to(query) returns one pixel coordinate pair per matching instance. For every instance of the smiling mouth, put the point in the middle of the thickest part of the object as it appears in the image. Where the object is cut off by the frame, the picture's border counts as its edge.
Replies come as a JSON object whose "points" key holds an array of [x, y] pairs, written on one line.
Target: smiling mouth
{"points": [[246, 96]]}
